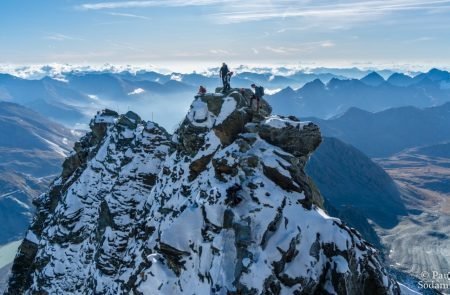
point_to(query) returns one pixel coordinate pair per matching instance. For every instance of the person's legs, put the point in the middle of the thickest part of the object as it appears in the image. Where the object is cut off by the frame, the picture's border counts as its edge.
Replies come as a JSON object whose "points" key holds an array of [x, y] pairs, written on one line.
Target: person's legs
{"points": [[251, 101], [226, 84], [227, 81]]}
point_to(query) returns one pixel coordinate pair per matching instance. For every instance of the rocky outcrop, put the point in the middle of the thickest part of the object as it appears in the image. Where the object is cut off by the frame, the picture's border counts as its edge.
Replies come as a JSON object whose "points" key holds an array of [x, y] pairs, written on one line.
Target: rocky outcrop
{"points": [[226, 208]]}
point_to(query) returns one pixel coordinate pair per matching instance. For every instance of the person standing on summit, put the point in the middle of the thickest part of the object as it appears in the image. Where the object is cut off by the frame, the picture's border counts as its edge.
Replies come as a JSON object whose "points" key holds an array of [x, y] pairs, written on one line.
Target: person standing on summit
{"points": [[224, 74]]}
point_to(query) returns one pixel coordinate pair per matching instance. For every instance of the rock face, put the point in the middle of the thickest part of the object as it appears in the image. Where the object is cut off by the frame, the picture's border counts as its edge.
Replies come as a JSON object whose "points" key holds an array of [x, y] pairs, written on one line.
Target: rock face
{"points": [[223, 207]]}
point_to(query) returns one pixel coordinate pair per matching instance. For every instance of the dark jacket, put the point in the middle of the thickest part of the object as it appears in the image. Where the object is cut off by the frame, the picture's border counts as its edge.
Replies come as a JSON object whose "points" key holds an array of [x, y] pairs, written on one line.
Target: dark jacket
{"points": [[224, 71]]}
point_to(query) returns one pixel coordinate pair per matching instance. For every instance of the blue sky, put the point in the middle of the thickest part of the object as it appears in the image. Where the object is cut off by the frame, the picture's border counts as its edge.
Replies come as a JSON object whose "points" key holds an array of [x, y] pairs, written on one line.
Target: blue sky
{"points": [[203, 31]]}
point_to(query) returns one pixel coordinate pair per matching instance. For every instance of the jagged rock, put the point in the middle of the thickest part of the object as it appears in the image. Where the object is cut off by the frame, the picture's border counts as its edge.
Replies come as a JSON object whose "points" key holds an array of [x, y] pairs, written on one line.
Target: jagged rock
{"points": [[129, 120], [233, 125], [221, 167], [96, 206], [233, 198], [226, 208], [134, 117], [189, 139], [293, 136], [197, 166]]}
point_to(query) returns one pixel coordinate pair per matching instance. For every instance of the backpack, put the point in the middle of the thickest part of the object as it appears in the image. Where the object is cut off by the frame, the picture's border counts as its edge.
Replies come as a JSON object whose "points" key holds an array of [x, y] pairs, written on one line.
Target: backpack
{"points": [[260, 91]]}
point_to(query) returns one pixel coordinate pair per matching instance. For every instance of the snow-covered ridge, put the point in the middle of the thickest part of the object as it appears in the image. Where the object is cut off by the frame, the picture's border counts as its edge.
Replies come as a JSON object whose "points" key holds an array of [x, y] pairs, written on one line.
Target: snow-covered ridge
{"points": [[278, 122], [225, 208]]}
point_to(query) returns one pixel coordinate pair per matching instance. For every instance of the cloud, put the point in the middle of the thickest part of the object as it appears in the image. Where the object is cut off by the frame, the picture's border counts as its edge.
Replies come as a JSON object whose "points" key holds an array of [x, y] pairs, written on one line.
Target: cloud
{"points": [[359, 10], [255, 51], [301, 48], [316, 13], [130, 15], [327, 44], [150, 3], [299, 28], [219, 51], [282, 50], [420, 39], [425, 38], [60, 37], [136, 91]]}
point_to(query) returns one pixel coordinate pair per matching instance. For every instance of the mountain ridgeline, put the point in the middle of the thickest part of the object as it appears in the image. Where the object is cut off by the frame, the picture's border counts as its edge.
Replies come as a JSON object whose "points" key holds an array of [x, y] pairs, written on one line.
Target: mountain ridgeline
{"points": [[372, 93], [388, 132], [72, 98], [222, 206]]}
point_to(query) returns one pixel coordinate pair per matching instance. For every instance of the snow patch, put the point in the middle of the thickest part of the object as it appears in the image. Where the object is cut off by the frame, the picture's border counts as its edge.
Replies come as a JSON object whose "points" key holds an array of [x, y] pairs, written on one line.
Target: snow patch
{"points": [[53, 146], [31, 236], [228, 106], [272, 91], [8, 252], [136, 91], [176, 77], [102, 118], [405, 290], [278, 122]]}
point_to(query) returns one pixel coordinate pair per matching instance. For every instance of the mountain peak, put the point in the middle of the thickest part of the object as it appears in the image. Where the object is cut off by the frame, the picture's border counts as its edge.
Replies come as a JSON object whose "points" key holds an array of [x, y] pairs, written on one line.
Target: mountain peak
{"points": [[400, 79], [225, 114], [334, 82], [288, 90], [317, 82], [314, 85], [223, 206], [438, 75], [373, 79]]}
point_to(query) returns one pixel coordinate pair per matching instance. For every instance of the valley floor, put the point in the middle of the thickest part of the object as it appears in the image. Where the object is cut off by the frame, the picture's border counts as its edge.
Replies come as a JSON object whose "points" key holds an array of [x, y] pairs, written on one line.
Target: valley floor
{"points": [[420, 243], [7, 254]]}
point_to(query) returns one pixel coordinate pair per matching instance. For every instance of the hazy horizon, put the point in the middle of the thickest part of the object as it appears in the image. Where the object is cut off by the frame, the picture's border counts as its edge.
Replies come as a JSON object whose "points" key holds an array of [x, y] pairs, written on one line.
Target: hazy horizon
{"points": [[34, 70]]}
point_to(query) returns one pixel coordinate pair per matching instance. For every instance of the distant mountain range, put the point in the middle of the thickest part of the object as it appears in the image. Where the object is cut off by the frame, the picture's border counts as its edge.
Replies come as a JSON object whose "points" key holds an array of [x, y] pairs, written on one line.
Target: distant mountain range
{"points": [[75, 99], [297, 76], [371, 93], [388, 132], [75, 96], [31, 152]]}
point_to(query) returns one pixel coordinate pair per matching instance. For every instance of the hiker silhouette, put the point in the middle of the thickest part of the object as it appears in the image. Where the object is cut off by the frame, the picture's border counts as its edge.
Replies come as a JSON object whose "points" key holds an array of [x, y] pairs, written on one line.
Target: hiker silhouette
{"points": [[225, 74]]}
